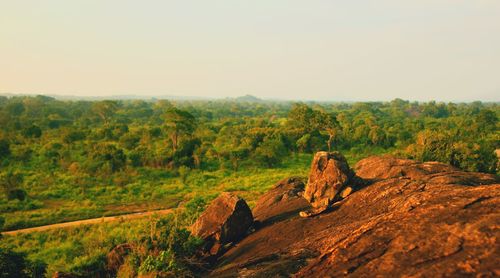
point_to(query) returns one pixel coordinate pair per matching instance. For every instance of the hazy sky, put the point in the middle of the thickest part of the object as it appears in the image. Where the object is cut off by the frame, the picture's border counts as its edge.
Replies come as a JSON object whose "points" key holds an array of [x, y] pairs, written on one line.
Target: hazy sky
{"points": [[289, 49]]}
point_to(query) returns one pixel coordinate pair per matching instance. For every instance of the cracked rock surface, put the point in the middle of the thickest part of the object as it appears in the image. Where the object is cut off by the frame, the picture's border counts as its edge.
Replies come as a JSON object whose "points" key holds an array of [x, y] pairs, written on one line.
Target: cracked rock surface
{"points": [[407, 219]]}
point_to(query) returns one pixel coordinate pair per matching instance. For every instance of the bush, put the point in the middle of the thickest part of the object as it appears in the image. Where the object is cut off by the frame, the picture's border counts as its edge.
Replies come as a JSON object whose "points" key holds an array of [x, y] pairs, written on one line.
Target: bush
{"points": [[163, 262], [73, 136], [18, 194], [476, 155], [479, 157], [16, 265], [183, 173], [107, 158], [270, 152], [171, 247], [90, 266], [4, 148], [32, 132]]}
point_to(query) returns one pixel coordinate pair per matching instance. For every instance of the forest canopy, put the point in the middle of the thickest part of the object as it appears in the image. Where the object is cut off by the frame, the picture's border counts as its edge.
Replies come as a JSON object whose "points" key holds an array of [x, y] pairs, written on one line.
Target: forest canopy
{"points": [[107, 137]]}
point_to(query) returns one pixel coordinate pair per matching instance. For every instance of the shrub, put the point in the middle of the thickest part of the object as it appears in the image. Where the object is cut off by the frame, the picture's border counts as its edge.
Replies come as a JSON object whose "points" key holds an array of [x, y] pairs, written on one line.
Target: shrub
{"points": [[90, 266], [4, 148], [183, 173], [16, 265], [32, 132], [170, 248], [18, 194]]}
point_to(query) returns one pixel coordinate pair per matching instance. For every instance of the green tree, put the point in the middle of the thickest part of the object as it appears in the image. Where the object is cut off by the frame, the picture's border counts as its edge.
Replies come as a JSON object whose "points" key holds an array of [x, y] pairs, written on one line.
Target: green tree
{"points": [[71, 136], [105, 109], [270, 152], [11, 183], [376, 135], [107, 157], [474, 156], [302, 116], [432, 146], [303, 143], [15, 108], [178, 122], [327, 123], [4, 148], [17, 265], [13, 264], [32, 132], [486, 120]]}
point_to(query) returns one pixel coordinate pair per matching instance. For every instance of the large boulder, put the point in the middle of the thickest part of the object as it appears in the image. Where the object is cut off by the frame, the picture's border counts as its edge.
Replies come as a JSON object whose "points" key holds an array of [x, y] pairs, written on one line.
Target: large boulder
{"points": [[284, 198], [330, 174], [227, 219]]}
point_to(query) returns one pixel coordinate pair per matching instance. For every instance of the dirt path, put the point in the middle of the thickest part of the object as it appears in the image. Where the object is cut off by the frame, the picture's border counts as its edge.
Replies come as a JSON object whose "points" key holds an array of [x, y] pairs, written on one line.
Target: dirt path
{"points": [[89, 221]]}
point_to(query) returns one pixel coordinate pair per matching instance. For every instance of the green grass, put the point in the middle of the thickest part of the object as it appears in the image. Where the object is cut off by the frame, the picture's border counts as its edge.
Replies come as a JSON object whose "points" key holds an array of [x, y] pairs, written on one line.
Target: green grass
{"points": [[148, 189], [63, 249]]}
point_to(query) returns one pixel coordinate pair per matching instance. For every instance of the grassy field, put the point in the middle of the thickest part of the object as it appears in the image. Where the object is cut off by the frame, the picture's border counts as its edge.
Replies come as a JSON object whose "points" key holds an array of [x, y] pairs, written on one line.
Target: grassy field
{"points": [[66, 249], [150, 191]]}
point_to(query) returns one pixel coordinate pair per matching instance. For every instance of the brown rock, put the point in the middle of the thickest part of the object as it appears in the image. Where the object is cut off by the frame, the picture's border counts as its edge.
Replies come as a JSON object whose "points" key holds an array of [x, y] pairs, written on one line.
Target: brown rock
{"points": [[286, 197], [227, 219], [116, 257], [405, 226], [385, 167], [346, 192], [330, 173]]}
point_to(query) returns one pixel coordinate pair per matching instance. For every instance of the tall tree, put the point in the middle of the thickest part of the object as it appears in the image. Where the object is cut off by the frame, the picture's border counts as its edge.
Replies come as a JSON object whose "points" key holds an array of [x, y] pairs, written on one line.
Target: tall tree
{"points": [[105, 109], [327, 123], [178, 122]]}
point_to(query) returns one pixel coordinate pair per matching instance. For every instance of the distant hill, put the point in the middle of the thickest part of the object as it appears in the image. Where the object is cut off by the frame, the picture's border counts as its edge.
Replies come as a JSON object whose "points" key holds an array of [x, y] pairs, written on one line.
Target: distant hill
{"points": [[113, 97], [248, 98], [245, 98]]}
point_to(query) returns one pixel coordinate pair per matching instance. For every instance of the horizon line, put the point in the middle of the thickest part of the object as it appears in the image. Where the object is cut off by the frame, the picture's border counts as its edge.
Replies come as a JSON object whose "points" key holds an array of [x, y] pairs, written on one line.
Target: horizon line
{"points": [[128, 96]]}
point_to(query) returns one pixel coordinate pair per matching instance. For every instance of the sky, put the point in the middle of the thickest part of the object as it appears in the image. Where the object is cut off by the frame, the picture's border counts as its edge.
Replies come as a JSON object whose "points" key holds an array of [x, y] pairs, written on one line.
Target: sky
{"points": [[352, 50]]}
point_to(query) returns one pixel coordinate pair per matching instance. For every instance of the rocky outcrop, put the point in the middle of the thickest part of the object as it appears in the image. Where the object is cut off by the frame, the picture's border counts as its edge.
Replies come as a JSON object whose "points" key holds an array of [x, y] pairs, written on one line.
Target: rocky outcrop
{"points": [[330, 174], [227, 219], [409, 219], [385, 167], [283, 199]]}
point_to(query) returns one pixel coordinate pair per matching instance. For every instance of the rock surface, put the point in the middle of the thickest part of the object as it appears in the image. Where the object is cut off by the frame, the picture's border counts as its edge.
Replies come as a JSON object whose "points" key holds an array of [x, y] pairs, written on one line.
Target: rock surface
{"points": [[227, 219], [279, 202], [410, 219], [384, 167], [330, 173]]}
